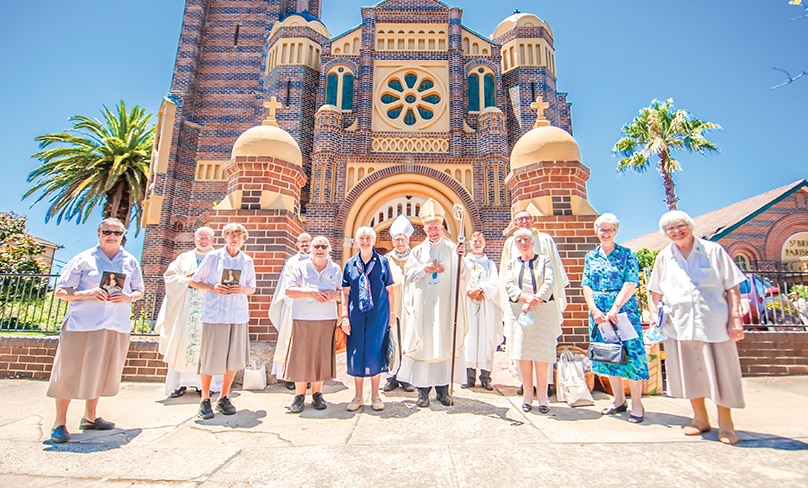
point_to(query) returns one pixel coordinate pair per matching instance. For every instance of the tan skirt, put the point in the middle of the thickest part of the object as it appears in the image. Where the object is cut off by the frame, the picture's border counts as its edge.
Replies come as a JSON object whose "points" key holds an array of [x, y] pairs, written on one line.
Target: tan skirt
{"points": [[311, 355], [88, 364], [225, 347], [704, 370]]}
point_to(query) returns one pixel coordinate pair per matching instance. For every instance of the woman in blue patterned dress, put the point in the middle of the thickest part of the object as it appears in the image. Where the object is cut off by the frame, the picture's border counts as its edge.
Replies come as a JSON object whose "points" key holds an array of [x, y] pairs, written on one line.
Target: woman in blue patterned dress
{"points": [[611, 274]]}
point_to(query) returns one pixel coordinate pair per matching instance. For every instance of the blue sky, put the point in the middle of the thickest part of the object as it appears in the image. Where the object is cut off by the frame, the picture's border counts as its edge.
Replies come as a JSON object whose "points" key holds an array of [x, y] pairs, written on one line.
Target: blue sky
{"points": [[714, 58]]}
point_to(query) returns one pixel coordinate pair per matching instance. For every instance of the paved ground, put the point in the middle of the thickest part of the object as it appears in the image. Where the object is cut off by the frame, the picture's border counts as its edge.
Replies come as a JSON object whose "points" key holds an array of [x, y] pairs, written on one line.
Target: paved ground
{"points": [[483, 440]]}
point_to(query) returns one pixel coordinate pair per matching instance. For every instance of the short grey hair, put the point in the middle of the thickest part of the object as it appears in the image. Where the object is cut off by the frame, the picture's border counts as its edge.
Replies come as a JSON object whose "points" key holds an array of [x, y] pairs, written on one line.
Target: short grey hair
{"points": [[235, 228], [608, 219], [112, 221], [365, 231], [204, 230], [674, 216], [523, 232]]}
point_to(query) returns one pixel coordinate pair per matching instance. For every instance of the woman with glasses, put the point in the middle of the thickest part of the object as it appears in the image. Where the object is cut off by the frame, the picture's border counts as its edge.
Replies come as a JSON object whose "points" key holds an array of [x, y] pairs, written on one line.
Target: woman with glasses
{"points": [[611, 274], [94, 338], [530, 323], [310, 358], [699, 281], [368, 312]]}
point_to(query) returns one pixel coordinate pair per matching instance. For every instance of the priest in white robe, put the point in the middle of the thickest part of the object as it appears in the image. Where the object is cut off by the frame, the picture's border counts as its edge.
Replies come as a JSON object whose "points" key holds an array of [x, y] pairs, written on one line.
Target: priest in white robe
{"points": [[179, 322], [484, 313], [429, 308], [280, 308], [400, 232]]}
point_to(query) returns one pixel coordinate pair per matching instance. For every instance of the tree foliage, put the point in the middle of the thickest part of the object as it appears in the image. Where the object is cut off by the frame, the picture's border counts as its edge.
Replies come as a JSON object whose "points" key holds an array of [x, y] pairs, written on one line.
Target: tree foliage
{"points": [[19, 252], [96, 163], [659, 130]]}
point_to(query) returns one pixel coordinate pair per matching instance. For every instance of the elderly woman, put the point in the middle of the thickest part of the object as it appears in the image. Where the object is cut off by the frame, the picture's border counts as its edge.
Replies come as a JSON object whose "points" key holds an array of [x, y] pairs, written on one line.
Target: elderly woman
{"points": [[94, 338], [225, 345], [530, 323], [368, 312], [611, 274], [699, 281], [315, 288]]}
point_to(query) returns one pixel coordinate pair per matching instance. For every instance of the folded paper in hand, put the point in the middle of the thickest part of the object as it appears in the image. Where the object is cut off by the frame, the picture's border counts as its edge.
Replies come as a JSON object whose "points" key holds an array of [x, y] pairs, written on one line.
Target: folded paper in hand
{"points": [[624, 328]]}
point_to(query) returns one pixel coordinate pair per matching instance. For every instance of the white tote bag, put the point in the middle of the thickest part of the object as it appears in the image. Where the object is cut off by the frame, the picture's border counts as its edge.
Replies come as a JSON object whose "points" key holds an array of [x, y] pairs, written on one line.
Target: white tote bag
{"points": [[572, 381], [255, 376]]}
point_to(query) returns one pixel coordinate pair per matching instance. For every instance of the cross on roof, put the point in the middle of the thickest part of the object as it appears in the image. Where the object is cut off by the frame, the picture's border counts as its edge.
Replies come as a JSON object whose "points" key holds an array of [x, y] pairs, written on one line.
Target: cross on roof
{"points": [[540, 106], [273, 105]]}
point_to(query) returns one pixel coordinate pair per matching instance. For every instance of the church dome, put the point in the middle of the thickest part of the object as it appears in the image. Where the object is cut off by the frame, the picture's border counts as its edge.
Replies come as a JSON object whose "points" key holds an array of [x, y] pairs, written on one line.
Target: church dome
{"points": [[268, 141], [519, 19], [544, 143]]}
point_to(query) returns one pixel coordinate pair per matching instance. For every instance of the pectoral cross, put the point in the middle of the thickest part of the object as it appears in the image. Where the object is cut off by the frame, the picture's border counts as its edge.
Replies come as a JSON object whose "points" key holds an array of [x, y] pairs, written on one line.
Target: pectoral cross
{"points": [[540, 106], [273, 105]]}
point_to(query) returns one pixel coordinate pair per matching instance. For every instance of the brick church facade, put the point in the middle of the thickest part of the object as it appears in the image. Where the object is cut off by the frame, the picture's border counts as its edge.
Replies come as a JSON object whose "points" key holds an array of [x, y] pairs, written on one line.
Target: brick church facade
{"points": [[359, 128]]}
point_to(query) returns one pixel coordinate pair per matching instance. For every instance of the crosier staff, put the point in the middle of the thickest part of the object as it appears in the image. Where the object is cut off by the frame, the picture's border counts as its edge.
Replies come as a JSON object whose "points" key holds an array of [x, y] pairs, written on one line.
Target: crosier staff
{"points": [[457, 213]]}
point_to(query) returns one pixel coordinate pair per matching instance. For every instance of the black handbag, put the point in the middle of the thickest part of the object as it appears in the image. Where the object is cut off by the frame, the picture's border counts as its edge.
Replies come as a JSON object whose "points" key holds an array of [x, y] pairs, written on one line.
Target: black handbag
{"points": [[608, 352]]}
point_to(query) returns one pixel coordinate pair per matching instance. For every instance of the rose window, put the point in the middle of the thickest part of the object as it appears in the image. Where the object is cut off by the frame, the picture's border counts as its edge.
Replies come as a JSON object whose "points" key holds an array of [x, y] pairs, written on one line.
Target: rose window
{"points": [[411, 99]]}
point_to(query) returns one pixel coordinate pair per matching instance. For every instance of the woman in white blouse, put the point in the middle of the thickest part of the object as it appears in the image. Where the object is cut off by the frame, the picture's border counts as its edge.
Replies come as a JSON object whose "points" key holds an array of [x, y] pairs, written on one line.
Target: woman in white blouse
{"points": [[699, 281], [315, 288]]}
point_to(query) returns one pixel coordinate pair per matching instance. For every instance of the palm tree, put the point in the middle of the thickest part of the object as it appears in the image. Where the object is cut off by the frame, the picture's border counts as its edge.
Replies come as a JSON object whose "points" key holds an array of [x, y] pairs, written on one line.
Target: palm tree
{"points": [[659, 130], [95, 163]]}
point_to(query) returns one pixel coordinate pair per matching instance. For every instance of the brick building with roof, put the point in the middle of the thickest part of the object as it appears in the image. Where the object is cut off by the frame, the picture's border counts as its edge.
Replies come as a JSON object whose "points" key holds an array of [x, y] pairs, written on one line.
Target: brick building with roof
{"points": [[360, 128]]}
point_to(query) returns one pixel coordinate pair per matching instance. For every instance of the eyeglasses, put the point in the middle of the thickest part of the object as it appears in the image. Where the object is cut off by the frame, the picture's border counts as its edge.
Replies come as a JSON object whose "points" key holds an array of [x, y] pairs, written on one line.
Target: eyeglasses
{"points": [[320, 246], [675, 227], [522, 219], [117, 233], [606, 231]]}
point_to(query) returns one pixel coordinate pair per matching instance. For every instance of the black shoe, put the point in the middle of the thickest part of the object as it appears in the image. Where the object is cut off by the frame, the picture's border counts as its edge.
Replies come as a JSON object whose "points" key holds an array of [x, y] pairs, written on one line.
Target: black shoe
{"points": [[406, 387], [470, 373], [442, 395], [178, 392], [423, 397], [97, 424], [205, 410], [59, 435], [521, 390], [225, 406], [391, 384], [290, 385], [297, 404], [551, 390], [317, 401], [485, 380]]}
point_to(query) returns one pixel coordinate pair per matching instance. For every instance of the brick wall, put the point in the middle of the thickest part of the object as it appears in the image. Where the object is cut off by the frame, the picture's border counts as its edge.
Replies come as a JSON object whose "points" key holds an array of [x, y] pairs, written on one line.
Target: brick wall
{"points": [[32, 358], [774, 353], [762, 354]]}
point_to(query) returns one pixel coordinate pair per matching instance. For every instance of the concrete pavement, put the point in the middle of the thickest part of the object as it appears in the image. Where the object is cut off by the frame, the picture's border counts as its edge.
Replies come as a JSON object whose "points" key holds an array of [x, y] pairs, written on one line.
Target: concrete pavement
{"points": [[483, 440]]}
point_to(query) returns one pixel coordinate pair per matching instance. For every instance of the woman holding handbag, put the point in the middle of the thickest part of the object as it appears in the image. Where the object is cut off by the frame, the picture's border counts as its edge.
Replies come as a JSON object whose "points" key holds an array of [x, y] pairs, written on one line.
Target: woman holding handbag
{"points": [[368, 312], [530, 322], [611, 274]]}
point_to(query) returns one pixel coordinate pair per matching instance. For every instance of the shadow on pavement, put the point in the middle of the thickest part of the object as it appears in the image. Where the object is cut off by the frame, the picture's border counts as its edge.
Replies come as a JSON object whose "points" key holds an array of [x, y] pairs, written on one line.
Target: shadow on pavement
{"points": [[88, 442]]}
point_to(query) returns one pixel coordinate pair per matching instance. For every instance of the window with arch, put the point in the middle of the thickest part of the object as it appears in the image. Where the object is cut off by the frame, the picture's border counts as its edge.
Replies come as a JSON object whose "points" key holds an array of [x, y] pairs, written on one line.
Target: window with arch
{"points": [[482, 89], [743, 261], [339, 83]]}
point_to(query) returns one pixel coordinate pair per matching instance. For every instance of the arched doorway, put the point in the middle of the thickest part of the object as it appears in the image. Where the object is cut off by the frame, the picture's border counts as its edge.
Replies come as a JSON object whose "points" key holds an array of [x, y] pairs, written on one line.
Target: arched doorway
{"points": [[381, 201]]}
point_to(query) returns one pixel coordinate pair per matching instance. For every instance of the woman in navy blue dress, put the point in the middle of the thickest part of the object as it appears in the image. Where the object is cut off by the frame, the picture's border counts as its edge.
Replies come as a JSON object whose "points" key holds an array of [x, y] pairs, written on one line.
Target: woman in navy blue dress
{"points": [[611, 274], [367, 315]]}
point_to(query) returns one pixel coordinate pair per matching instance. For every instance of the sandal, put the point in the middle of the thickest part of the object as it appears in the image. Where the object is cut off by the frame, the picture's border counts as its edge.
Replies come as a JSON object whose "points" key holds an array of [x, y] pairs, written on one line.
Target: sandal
{"points": [[695, 429], [612, 409], [728, 437], [355, 405], [377, 404], [544, 409]]}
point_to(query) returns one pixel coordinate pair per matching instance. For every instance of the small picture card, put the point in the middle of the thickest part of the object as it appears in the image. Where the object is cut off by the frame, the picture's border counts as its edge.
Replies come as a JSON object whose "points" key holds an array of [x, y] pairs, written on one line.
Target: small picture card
{"points": [[112, 282], [231, 276]]}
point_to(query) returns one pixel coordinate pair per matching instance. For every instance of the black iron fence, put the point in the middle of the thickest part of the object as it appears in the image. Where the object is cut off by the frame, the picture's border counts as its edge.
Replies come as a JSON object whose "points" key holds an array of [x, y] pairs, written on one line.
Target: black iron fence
{"points": [[775, 300], [27, 303]]}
